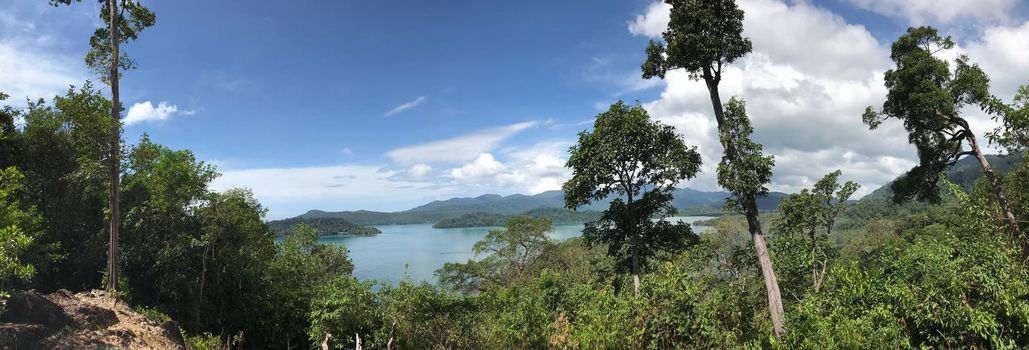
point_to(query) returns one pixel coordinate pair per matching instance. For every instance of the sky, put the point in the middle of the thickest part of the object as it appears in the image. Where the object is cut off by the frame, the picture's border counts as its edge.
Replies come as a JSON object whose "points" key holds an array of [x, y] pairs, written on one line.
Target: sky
{"points": [[386, 105]]}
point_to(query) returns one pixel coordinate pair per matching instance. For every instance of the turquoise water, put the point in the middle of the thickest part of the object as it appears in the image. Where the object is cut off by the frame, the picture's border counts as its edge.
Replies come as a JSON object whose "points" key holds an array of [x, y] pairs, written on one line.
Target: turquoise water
{"points": [[418, 250]]}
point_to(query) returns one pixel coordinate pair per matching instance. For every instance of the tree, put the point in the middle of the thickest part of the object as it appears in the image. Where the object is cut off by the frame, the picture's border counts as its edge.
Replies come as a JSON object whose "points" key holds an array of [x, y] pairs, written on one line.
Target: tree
{"points": [[703, 37], [927, 97], [506, 253], [1013, 133], [806, 220], [65, 152], [105, 58], [18, 225], [629, 155]]}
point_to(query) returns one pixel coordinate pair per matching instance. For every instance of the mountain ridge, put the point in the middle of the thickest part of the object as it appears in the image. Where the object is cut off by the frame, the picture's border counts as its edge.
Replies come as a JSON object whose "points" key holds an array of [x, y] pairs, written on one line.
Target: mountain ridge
{"points": [[434, 211]]}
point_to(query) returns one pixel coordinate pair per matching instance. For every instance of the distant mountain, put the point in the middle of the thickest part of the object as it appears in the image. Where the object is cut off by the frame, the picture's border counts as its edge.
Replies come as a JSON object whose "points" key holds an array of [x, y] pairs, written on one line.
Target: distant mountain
{"points": [[435, 211], [879, 204]]}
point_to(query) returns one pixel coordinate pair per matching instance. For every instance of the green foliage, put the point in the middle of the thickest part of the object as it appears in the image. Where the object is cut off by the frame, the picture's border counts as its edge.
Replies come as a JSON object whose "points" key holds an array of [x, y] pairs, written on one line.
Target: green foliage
{"points": [[507, 256], [18, 225], [64, 147], [926, 95], [296, 278], [207, 341], [950, 280], [804, 225], [746, 174], [153, 314], [629, 155]]}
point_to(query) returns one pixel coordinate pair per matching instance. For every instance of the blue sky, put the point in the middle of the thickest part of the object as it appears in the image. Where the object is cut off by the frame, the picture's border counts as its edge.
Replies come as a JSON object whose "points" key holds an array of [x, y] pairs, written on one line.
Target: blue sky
{"points": [[384, 105]]}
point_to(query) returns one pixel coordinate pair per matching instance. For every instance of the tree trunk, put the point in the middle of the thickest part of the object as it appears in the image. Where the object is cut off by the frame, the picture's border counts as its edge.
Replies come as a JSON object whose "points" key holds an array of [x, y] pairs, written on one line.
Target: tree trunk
{"points": [[635, 270], [1005, 208], [775, 309], [115, 166]]}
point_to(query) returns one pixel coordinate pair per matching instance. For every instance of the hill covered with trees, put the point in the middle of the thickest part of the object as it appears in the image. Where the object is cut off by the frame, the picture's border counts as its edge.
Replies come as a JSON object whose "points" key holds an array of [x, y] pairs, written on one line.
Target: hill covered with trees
{"points": [[555, 215], [326, 226]]}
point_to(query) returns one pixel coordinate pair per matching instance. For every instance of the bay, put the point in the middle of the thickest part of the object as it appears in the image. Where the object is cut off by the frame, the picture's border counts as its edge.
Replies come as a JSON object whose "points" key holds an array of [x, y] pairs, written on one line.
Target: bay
{"points": [[416, 251]]}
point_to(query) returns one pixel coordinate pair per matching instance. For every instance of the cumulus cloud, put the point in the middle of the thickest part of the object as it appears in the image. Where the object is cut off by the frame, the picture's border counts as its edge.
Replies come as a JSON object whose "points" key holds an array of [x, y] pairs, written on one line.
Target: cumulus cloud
{"points": [[940, 11], [406, 106], [806, 83], [1003, 53], [292, 191], [532, 170], [147, 112], [653, 22], [457, 149]]}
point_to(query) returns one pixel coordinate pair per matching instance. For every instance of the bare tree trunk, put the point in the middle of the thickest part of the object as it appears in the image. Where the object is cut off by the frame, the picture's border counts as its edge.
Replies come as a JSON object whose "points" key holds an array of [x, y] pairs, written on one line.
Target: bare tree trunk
{"points": [[115, 166], [1005, 208], [635, 270], [775, 309], [325, 342]]}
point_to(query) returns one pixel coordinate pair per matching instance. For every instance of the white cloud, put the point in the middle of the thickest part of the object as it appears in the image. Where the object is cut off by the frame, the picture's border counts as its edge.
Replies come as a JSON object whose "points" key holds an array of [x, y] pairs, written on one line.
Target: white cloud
{"points": [[942, 11], [347, 151], [292, 191], [653, 22], [1003, 53], [34, 65], [806, 83], [458, 149], [536, 169], [483, 167], [406, 106], [146, 112], [419, 170]]}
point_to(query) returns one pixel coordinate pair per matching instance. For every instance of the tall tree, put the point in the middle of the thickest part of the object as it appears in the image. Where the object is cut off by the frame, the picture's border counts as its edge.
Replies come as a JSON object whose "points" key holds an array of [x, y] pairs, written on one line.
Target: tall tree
{"points": [[806, 220], [124, 23], [628, 155], [703, 37], [927, 96]]}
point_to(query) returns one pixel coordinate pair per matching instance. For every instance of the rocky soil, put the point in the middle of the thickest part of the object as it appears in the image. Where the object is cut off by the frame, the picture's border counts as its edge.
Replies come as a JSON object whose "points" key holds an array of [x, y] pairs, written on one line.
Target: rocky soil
{"points": [[87, 320]]}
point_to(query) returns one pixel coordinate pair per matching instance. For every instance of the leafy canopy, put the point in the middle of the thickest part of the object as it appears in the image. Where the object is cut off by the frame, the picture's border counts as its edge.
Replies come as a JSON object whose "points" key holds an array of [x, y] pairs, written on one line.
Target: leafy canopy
{"points": [[702, 37], [628, 155], [746, 175], [926, 95]]}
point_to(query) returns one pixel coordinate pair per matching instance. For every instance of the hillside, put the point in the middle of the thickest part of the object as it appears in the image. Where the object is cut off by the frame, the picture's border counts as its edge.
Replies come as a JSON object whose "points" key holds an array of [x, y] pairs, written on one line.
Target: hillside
{"points": [[685, 199], [88, 320], [325, 226], [878, 204]]}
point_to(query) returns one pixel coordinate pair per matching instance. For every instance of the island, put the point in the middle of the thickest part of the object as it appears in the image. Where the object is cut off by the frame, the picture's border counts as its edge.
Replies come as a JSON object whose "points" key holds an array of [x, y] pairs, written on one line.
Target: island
{"points": [[326, 226], [483, 219]]}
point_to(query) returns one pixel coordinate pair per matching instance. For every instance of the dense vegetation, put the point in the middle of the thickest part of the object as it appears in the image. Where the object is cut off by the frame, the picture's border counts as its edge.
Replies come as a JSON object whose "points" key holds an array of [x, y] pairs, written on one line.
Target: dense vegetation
{"points": [[950, 272], [555, 215], [326, 226]]}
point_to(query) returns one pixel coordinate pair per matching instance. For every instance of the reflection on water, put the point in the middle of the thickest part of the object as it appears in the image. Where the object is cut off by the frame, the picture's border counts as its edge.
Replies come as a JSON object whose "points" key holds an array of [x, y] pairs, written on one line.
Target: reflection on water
{"points": [[418, 250]]}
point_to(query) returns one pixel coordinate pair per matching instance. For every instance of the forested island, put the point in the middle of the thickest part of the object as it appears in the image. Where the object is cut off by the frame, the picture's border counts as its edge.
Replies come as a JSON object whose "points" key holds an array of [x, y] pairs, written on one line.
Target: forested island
{"points": [[113, 242], [323, 226], [481, 219]]}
